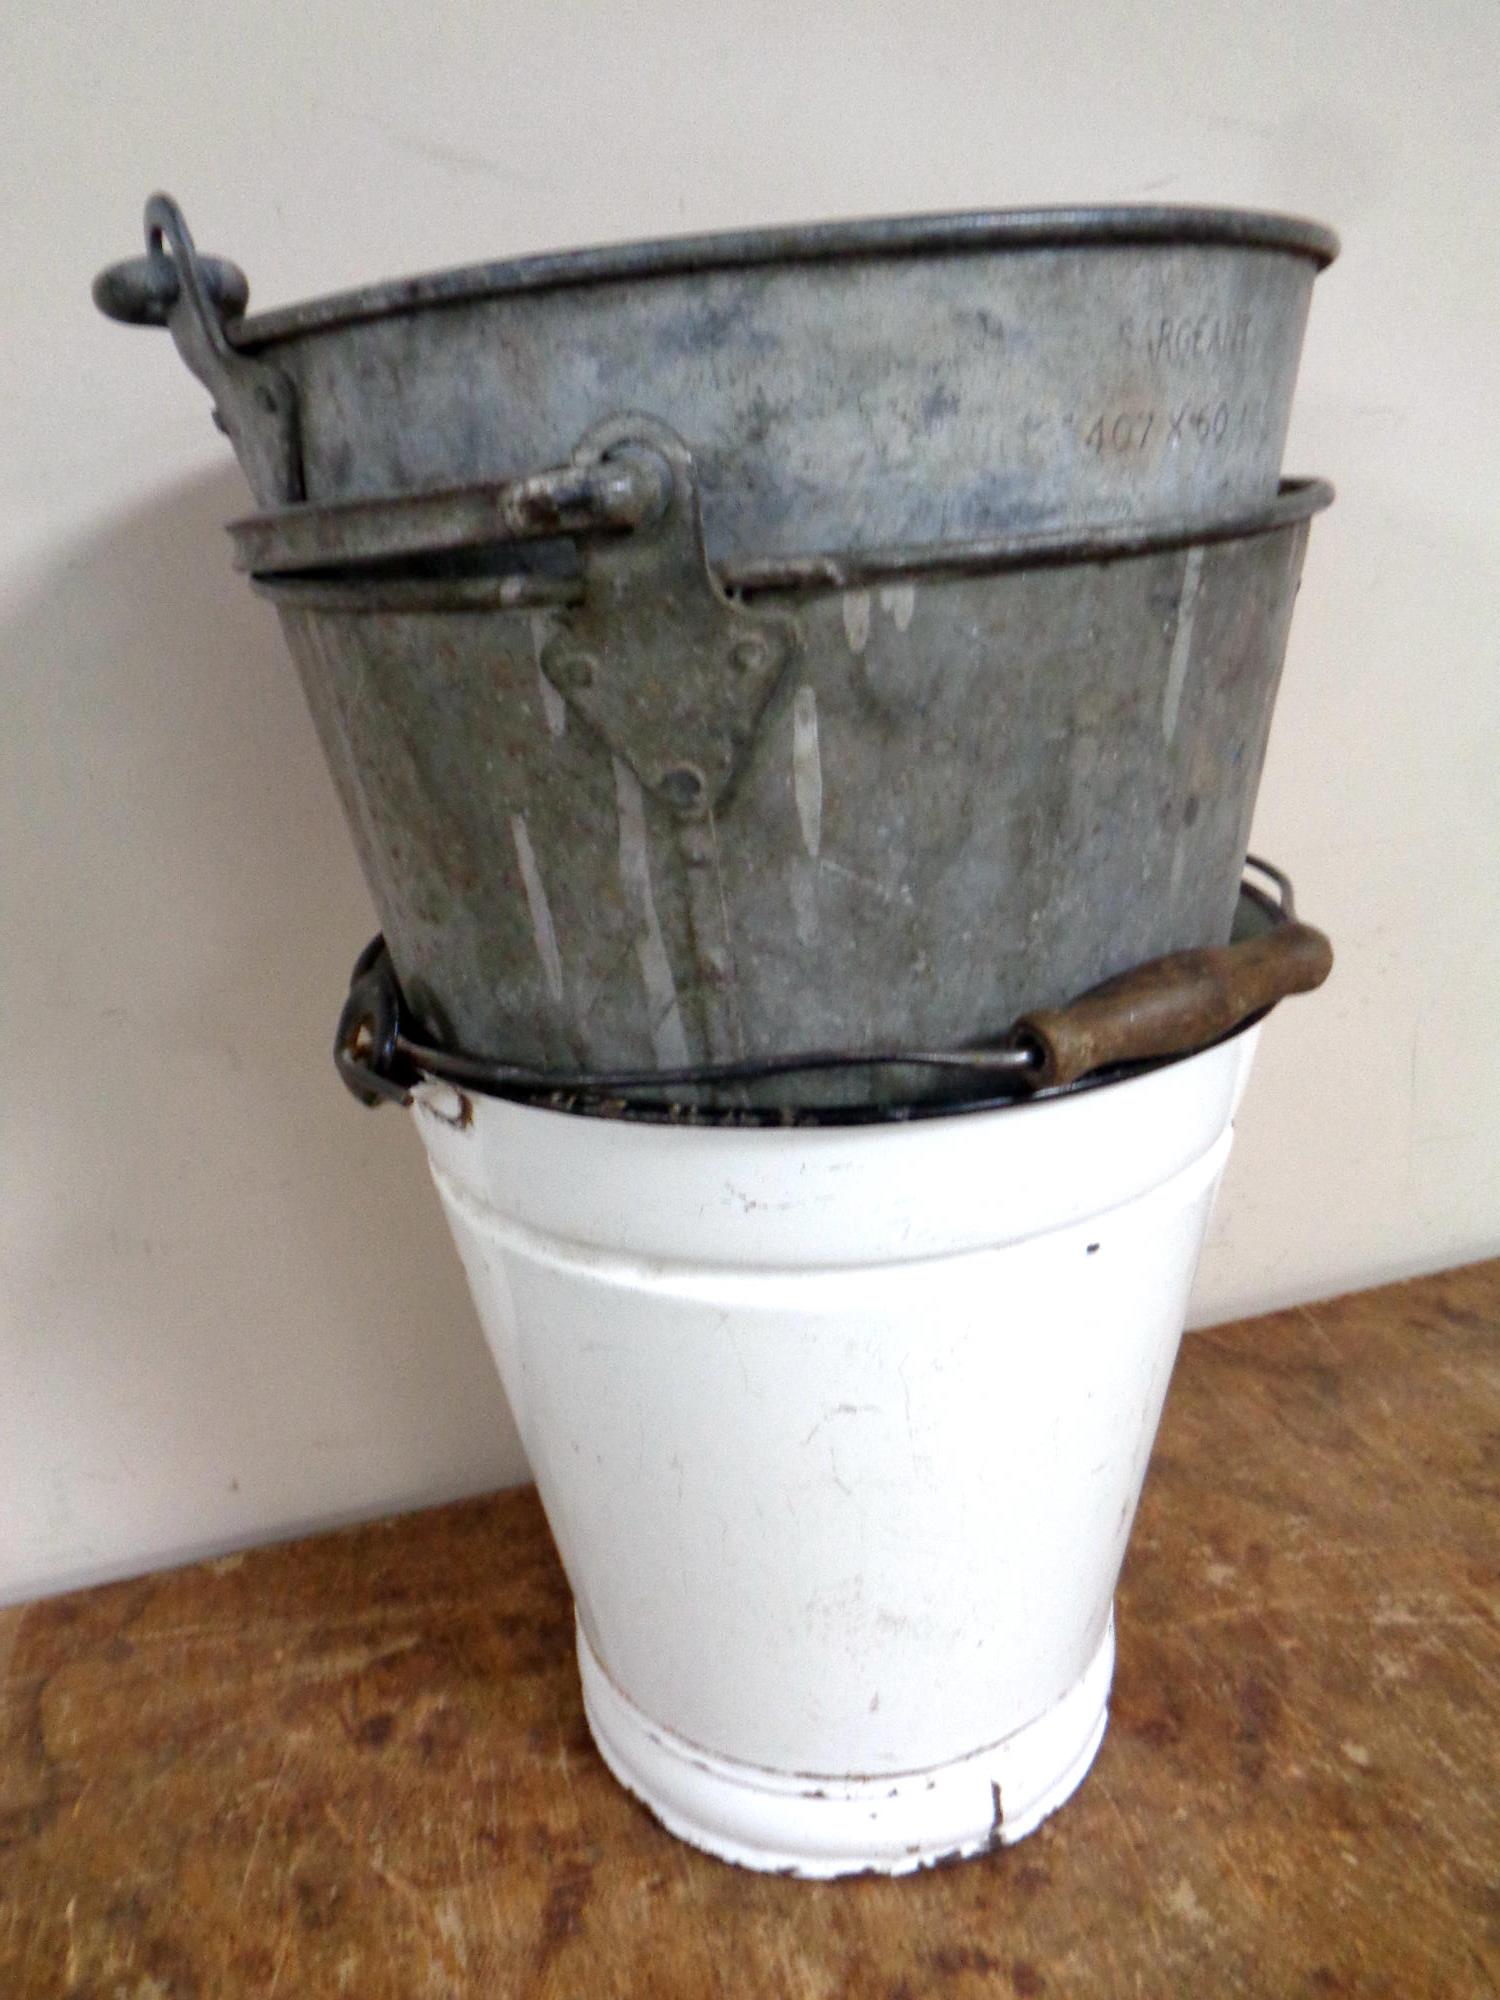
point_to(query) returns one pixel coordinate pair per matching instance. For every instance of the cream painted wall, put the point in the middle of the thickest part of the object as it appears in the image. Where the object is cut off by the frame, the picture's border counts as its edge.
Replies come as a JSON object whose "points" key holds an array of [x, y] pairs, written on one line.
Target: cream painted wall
{"points": [[229, 1305]]}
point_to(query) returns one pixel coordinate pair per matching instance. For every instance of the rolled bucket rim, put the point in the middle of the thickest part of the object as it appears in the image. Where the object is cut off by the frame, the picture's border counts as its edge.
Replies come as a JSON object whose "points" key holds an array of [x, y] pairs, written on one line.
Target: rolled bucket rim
{"points": [[1258, 903], [935, 233], [368, 588], [809, 1117]]}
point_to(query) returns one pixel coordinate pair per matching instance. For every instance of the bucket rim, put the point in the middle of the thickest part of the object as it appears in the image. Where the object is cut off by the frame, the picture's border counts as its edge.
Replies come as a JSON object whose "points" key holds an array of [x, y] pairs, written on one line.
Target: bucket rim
{"points": [[935, 233], [367, 1073], [368, 588], [1298, 498], [810, 1117]]}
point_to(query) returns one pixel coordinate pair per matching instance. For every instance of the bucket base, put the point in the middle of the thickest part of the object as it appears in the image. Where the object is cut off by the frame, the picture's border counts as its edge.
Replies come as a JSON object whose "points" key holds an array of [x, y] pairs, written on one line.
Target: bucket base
{"points": [[821, 1827]]}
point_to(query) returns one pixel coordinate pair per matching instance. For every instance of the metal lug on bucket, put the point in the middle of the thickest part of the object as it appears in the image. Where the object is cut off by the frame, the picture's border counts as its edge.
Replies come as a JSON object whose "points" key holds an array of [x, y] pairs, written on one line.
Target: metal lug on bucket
{"points": [[255, 404], [677, 685], [365, 1046]]}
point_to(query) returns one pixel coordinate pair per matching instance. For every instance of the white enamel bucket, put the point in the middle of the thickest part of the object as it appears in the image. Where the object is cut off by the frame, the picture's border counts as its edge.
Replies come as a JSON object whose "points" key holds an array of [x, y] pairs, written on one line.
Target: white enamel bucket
{"points": [[840, 1433]]}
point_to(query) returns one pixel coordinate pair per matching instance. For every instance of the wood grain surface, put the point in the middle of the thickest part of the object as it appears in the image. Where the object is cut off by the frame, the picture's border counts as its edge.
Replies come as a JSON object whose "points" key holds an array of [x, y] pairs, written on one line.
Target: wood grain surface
{"points": [[357, 1765]]}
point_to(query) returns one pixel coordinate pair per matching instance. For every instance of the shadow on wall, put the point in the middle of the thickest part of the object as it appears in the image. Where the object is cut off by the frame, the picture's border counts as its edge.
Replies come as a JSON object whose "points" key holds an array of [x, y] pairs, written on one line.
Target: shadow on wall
{"points": [[237, 1307]]}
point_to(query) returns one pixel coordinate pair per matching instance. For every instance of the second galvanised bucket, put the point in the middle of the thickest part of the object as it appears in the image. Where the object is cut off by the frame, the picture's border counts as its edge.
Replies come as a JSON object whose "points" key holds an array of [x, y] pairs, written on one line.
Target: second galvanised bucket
{"points": [[642, 812]]}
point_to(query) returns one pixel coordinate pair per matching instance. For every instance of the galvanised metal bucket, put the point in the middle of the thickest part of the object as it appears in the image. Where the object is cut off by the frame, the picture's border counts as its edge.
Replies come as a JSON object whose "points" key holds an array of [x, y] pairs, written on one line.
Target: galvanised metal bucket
{"points": [[855, 385], [772, 713], [643, 812]]}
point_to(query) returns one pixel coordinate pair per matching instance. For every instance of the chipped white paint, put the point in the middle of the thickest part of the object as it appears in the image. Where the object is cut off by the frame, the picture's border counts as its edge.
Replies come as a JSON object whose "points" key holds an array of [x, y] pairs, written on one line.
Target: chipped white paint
{"points": [[900, 600], [857, 619], [1182, 642], [554, 708], [810, 1401], [807, 769], [542, 927], [668, 1038], [895, 1824], [443, 1101]]}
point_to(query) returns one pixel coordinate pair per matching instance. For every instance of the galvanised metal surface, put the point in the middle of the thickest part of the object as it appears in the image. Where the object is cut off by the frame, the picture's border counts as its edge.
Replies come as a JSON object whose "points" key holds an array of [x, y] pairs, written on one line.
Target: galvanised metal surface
{"points": [[631, 810], [1160, 1011], [851, 386], [832, 638]]}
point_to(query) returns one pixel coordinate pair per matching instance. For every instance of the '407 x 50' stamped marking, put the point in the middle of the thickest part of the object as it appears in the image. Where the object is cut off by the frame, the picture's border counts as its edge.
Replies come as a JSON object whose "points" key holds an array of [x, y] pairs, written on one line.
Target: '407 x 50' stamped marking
{"points": [[1119, 433]]}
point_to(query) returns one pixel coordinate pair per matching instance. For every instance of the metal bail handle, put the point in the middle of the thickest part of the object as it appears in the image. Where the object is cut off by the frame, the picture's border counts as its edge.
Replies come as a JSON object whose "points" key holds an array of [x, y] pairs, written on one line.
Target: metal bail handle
{"points": [[356, 540], [1173, 1005], [255, 403], [365, 1051], [142, 291], [1168, 1007]]}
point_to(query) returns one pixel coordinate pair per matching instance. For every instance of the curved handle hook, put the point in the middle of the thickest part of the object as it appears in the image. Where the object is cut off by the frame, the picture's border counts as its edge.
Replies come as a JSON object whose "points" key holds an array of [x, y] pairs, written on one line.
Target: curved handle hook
{"points": [[141, 291], [255, 401]]}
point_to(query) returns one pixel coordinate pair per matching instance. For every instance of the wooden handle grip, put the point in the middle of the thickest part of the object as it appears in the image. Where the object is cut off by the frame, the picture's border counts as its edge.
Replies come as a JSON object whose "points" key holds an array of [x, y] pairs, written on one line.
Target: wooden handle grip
{"points": [[1174, 1004]]}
